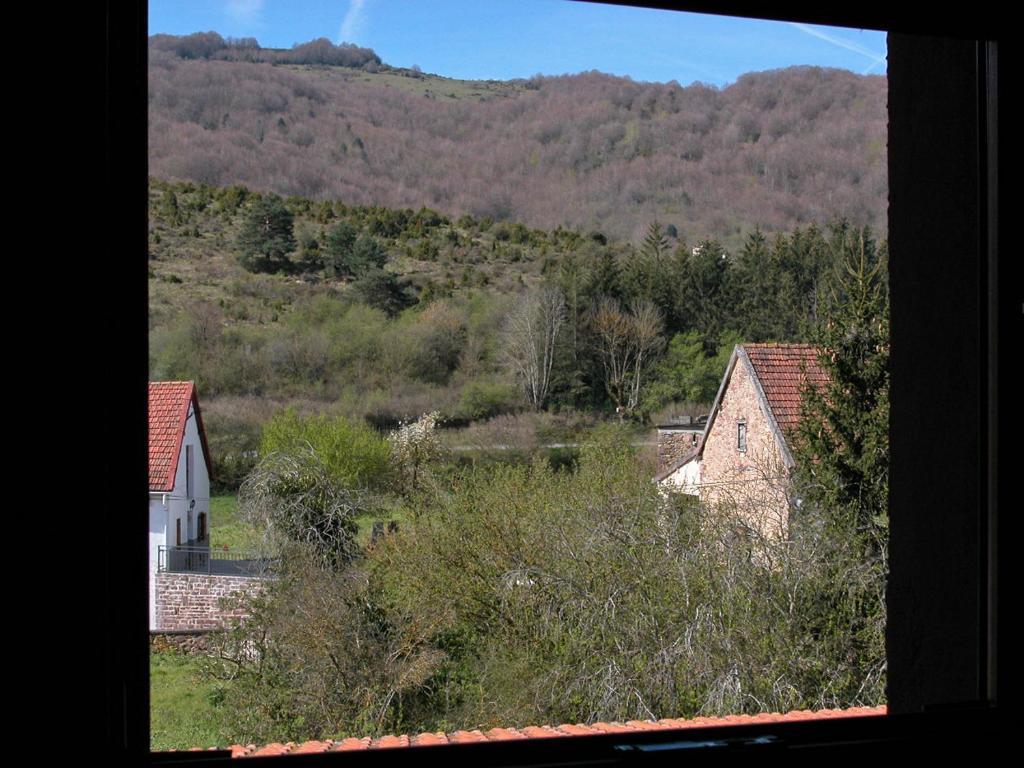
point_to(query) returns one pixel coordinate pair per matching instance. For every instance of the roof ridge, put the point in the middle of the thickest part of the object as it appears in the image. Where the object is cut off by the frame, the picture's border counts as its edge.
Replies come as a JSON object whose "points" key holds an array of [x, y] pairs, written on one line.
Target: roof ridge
{"points": [[778, 344]]}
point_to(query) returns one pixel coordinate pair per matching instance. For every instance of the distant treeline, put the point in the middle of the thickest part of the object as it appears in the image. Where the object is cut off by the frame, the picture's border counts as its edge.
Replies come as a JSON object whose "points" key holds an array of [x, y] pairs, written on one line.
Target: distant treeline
{"points": [[210, 45]]}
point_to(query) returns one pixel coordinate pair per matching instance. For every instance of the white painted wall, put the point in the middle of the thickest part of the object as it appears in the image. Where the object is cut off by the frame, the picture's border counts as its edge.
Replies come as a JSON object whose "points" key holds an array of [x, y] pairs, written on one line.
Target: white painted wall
{"points": [[686, 478], [157, 536], [162, 519]]}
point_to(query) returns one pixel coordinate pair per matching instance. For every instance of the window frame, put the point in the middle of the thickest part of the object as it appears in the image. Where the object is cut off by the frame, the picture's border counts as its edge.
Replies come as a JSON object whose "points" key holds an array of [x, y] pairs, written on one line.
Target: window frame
{"points": [[929, 670]]}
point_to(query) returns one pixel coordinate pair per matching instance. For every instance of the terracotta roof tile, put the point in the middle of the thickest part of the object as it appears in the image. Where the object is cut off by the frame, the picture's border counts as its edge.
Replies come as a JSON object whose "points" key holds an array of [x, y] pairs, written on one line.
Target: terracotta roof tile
{"points": [[782, 369], [168, 412], [352, 744], [547, 731], [504, 734], [577, 730], [312, 746], [272, 749], [614, 727], [463, 737], [428, 739], [535, 732], [387, 742]]}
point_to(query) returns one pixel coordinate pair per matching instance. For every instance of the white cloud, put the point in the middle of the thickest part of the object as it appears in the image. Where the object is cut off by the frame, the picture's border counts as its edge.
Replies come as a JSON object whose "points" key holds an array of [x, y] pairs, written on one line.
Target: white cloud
{"points": [[876, 58], [353, 23], [247, 12]]}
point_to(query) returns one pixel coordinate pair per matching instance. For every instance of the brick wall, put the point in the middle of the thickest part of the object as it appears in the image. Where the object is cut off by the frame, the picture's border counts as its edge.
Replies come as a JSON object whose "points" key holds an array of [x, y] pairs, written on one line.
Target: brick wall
{"points": [[748, 481], [197, 601]]}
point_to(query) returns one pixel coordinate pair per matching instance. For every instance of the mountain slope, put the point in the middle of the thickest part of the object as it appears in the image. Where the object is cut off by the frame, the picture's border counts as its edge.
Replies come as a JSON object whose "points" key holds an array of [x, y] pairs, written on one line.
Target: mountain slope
{"points": [[590, 151]]}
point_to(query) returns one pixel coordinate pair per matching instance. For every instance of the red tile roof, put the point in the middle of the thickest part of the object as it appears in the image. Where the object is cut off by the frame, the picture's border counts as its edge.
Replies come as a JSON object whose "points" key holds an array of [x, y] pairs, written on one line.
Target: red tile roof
{"points": [[168, 412], [782, 369], [547, 731]]}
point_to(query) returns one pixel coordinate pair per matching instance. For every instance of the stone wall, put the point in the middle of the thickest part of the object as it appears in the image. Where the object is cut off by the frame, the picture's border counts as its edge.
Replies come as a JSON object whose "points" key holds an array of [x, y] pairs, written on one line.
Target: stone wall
{"points": [[195, 642], [187, 601], [673, 444], [751, 482]]}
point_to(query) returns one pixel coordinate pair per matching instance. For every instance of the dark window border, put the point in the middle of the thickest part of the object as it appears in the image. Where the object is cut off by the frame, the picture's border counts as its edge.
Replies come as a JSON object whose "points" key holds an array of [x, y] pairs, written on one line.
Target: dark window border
{"points": [[954, 305]]}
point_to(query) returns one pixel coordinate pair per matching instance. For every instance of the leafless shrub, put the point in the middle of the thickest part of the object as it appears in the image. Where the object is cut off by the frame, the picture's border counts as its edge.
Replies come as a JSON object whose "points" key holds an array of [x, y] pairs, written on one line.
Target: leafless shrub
{"points": [[294, 499]]}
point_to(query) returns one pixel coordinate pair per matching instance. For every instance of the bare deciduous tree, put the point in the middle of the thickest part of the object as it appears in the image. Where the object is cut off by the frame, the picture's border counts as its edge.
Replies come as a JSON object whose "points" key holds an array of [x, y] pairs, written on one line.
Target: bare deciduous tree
{"points": [[627, 341], [647, 323], [531, 337]]}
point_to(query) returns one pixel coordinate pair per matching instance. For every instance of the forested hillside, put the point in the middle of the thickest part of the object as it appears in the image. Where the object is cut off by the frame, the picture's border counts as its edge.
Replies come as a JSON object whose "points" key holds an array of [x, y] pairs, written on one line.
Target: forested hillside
{"points": [[776, 149], [384, 314]]}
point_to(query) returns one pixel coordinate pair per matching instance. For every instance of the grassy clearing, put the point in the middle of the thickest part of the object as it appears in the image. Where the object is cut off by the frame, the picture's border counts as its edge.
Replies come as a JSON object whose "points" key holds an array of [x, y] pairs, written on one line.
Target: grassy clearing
{"points": [[183, 710], [227, 528], [365, 523]]}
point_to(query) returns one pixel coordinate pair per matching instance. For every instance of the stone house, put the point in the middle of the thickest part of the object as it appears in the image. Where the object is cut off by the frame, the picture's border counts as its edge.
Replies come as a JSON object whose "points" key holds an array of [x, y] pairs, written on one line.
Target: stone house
{"points": [[743, 457]]}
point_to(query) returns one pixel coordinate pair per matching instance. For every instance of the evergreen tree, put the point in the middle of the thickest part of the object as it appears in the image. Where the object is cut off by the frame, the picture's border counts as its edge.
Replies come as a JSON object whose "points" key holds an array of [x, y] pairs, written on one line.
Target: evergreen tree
{"points": [[267, 236], [169, 209], [755, 288], [381, 290], [655, 243], [702, 299], [843, 444], [349, 254], [367, 254], [338, 249], [605, 276]]}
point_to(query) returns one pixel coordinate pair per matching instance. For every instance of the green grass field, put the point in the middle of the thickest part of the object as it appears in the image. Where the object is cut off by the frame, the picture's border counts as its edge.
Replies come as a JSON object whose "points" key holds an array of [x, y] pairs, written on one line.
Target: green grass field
{"points": [[183, 701], [227, 529], [182, 707]]}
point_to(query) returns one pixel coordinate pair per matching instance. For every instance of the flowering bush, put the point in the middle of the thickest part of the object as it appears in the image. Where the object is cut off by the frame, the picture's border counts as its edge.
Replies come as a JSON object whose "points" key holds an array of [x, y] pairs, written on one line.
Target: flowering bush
{"points": [[413, 446]]}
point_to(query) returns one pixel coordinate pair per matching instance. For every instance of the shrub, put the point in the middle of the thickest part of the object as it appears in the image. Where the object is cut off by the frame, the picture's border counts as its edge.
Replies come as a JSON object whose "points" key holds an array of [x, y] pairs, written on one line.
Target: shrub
{"points": [[353, 454], [484, 399]]}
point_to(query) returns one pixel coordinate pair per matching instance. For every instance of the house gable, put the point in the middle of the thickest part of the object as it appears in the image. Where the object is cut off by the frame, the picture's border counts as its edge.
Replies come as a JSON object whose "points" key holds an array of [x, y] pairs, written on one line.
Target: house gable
{"points": [[171, 403], [740, 401], [744, 458]]}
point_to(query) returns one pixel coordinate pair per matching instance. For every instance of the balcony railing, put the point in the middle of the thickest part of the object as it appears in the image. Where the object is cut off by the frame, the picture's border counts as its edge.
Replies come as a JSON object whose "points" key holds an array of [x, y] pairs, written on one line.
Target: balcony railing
{"points": [[212, 561]]}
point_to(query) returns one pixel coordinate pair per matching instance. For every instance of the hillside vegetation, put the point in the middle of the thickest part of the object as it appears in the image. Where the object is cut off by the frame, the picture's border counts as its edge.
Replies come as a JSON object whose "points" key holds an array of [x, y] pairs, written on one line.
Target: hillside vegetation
{"points": [[776, 149], [385, 314]]}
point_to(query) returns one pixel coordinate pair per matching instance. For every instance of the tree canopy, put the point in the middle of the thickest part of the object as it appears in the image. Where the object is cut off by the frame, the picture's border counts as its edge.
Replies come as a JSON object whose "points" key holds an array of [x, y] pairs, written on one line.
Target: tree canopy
{"points": [[844, 429], [266, 237]]}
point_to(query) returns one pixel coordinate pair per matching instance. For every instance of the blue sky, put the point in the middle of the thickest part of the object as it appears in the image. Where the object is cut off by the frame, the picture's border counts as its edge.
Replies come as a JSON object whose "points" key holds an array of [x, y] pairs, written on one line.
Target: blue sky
{"points": [[504, 39]]}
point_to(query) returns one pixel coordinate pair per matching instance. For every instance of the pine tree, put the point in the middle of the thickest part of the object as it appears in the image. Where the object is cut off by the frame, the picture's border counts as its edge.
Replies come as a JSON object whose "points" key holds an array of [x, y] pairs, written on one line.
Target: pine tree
{"points": [[843, 444], [655, 243], [267, 236]]}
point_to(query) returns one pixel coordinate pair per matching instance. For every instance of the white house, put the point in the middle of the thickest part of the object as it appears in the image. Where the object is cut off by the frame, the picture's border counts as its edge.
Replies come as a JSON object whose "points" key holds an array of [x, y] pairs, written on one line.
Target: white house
{"points": [[179, 478]]}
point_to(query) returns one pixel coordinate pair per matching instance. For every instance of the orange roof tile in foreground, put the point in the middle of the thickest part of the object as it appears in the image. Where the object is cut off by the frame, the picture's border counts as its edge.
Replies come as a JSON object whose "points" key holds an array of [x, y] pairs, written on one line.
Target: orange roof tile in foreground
{"points": [[547, 731]]}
